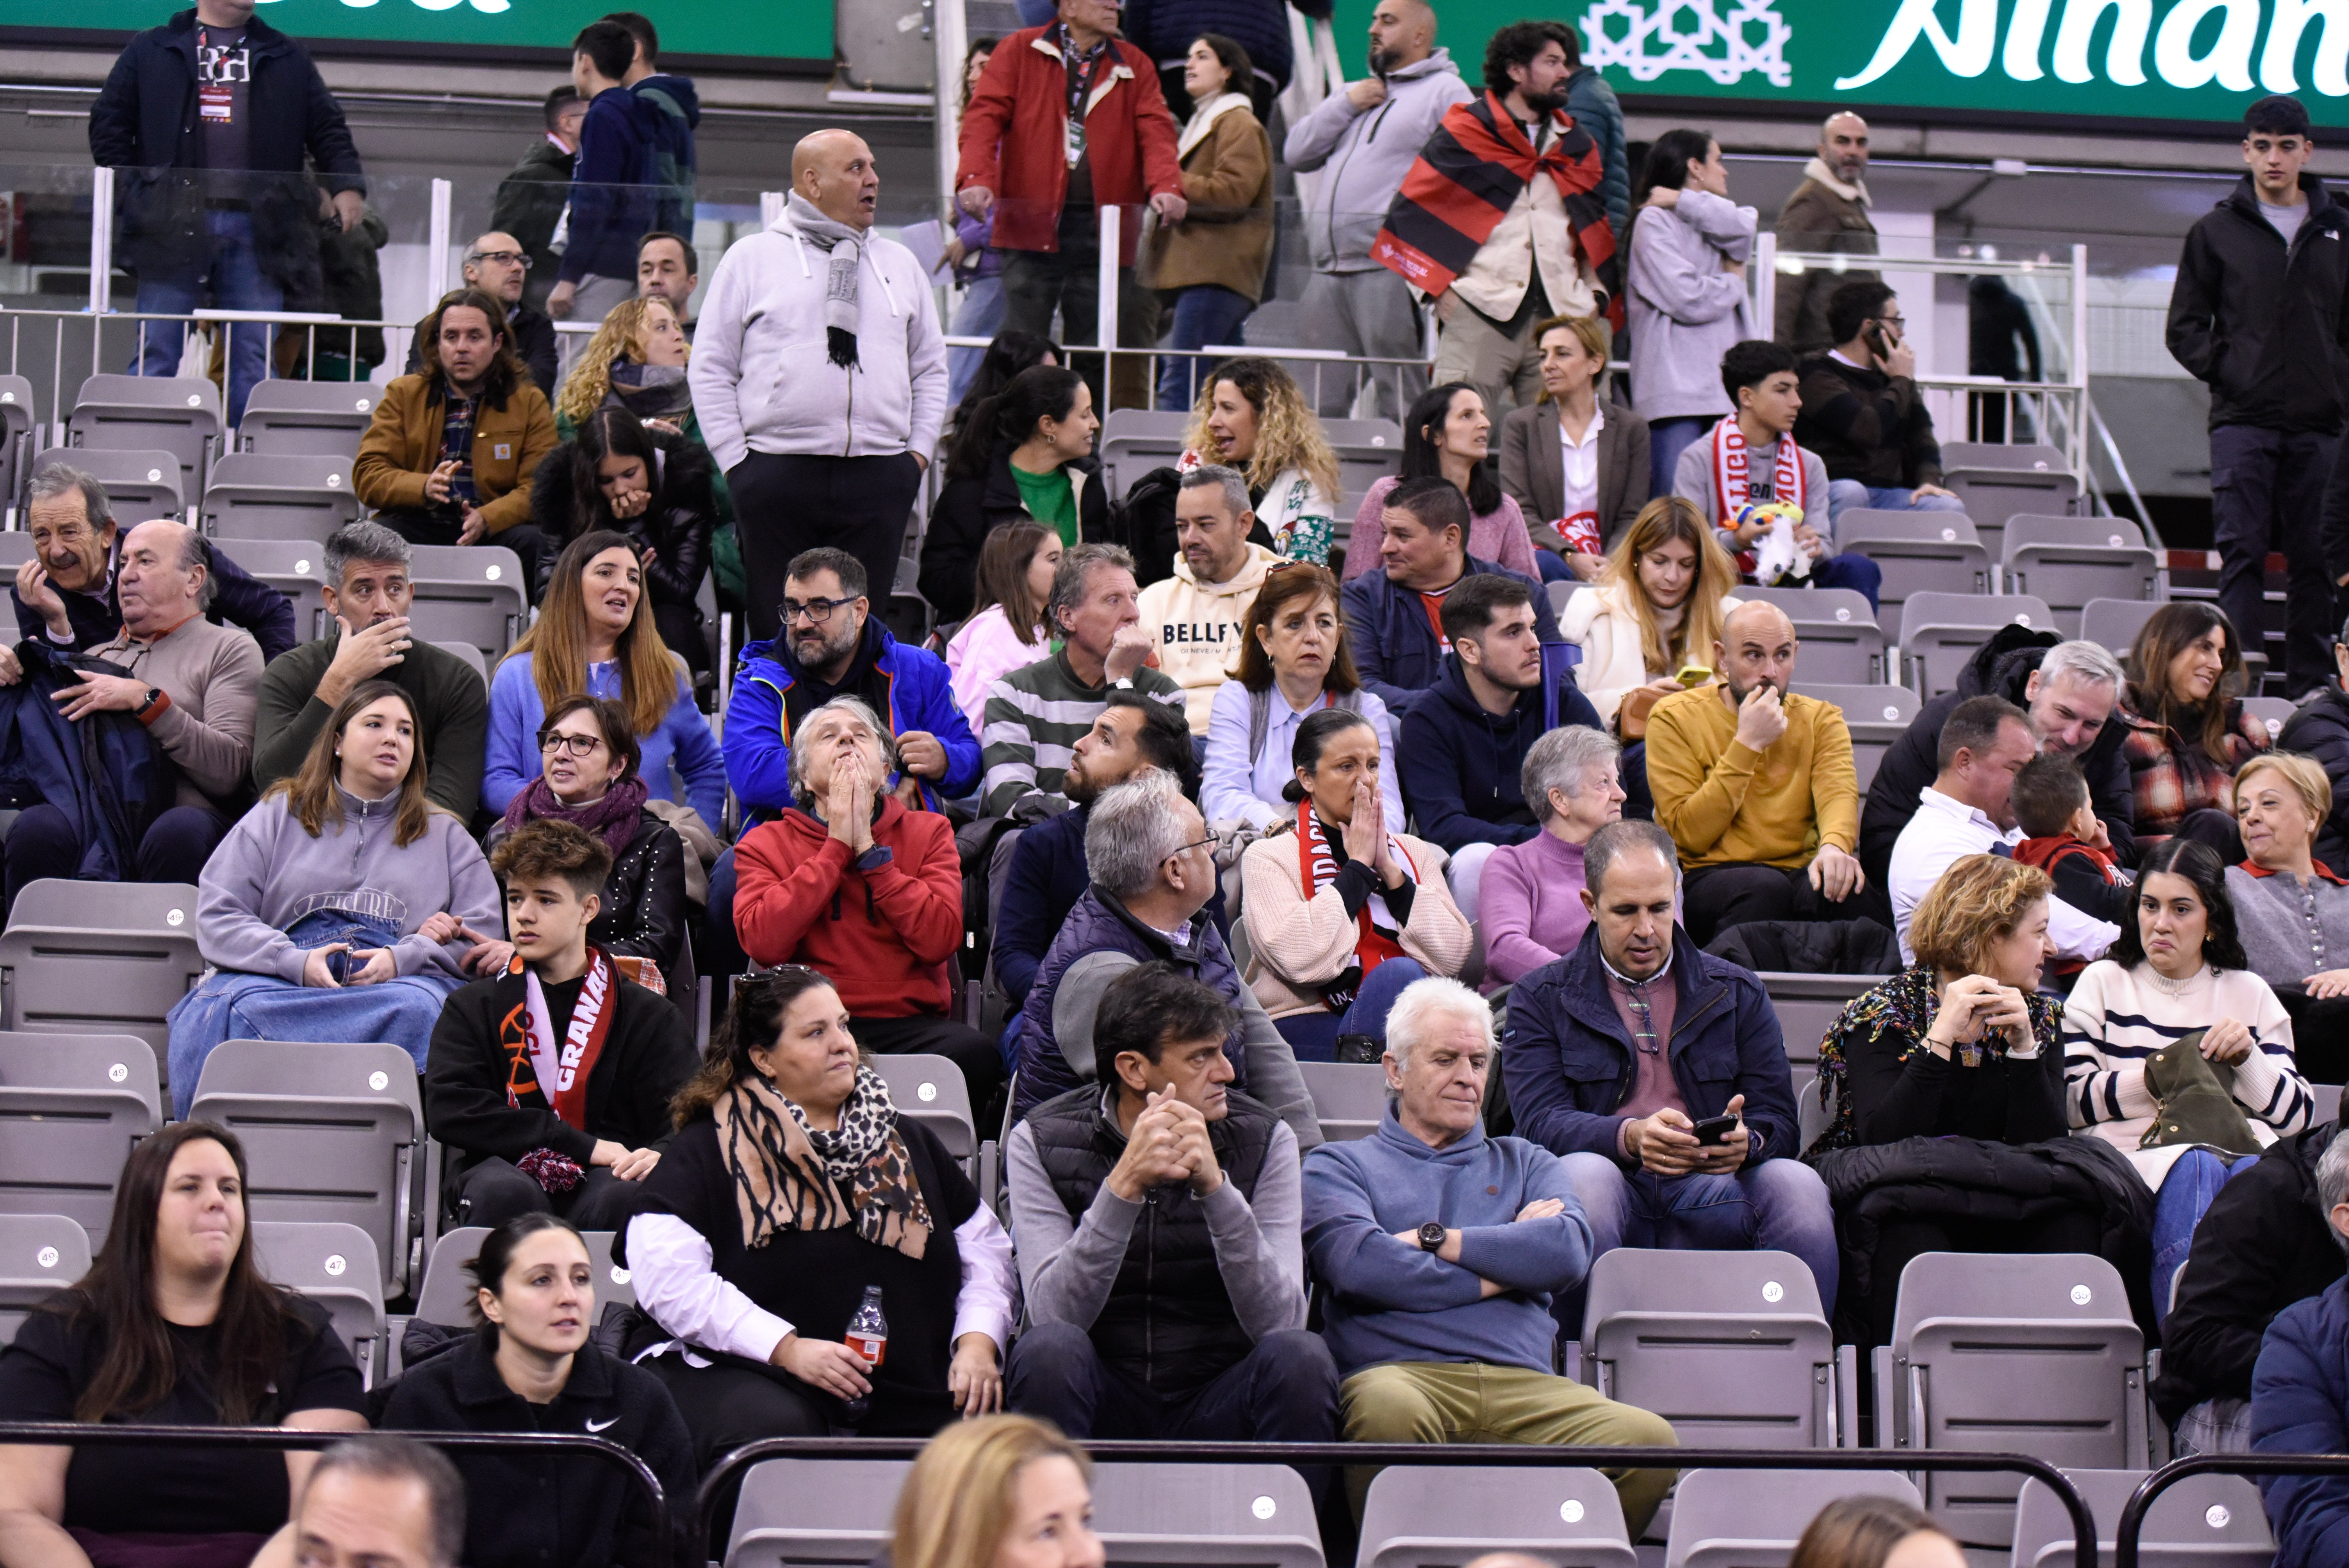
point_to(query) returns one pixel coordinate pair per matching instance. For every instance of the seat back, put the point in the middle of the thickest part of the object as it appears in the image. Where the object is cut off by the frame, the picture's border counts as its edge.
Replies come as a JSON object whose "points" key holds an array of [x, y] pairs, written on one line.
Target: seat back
{"points": [[17, 421], [468, 592], [1212, 1516], [1874, 715], [1753, 1517], [815, 1513], [16, 549], [1841, 641], [71, 1108], [1992, 496], [2274, 712], [140, 482], [332, 1133], [252, 495], [1445, 1516], [2035, 457], [2113, 623], [2070, 560], [334, 1265], [40, 1254], [179, 414], [1731, 1348], [83, 958], [932, 1092], [1940, 632], [471, 656], [294, 567], [307, 418], [446, 1295], [1135, 440], [2202, 1521], [1350, 1097], [1805, 1022], [1919, 553]]}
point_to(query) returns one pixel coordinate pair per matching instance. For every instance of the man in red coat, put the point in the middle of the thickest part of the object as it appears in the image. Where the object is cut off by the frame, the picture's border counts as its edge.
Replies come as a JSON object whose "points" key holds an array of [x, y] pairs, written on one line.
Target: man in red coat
{"points": [[1064, 118]]}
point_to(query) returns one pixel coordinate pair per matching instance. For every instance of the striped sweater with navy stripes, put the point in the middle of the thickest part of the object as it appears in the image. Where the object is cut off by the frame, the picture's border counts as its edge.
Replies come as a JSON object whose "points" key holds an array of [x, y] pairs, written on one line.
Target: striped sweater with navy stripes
{"points": [[2116, 1017]]}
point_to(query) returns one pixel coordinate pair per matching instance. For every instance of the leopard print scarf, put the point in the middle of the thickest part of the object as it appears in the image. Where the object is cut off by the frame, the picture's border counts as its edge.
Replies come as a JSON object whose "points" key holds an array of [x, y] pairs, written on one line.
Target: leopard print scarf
{"points": [[789, 1176]]}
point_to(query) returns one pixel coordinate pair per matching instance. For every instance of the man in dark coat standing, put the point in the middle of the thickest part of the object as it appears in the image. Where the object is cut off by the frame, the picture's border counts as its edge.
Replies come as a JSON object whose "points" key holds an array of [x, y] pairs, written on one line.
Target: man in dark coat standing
{"points": [[208, 121]]}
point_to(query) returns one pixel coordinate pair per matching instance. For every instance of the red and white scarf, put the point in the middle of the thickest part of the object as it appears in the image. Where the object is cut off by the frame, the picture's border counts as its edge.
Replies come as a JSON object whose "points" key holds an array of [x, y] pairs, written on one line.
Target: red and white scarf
{"points": [[1376, 925], [561, 1073], [1733, 472]]}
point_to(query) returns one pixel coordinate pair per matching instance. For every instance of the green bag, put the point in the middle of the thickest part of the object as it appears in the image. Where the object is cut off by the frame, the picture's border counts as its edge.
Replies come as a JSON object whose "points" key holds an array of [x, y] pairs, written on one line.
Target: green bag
{"points": [[2196, 1100]]}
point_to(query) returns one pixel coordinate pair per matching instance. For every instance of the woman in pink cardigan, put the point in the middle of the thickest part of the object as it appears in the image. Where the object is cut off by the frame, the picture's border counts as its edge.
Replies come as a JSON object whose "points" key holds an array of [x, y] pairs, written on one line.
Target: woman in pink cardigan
{"points": [[1446, 435], [1341, 909], [1531, 910]]}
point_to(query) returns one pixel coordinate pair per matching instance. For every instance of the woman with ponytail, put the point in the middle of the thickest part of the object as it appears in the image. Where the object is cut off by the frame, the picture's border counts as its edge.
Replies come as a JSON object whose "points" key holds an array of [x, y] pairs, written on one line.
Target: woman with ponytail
{"points": [[1025, 453]]}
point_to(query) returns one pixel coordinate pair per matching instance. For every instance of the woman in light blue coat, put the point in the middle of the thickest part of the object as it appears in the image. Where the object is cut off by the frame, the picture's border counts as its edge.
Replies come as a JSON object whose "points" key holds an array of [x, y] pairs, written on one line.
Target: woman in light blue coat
{"points": [[1686, 280]]}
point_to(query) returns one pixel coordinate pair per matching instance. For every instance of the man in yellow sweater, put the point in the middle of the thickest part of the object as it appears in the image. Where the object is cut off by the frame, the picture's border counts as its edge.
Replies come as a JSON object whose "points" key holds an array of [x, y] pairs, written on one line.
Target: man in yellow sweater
{"points": [[1756, 785]]}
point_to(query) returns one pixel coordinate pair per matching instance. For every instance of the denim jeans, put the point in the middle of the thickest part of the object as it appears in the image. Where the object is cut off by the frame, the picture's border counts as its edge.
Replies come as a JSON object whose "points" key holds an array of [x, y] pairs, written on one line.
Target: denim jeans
{"points": [[1845, 494], [1850, 571], [1203, 314], [981, 314], [1776, 1205], [2178, 1208], [1313, 1037], [1667, 439], [233, 270]]}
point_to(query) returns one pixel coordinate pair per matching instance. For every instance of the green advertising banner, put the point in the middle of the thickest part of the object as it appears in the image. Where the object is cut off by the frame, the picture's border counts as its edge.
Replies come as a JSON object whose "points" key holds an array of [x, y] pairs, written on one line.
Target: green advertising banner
{"points": [[2113, 59], [774, 29]]}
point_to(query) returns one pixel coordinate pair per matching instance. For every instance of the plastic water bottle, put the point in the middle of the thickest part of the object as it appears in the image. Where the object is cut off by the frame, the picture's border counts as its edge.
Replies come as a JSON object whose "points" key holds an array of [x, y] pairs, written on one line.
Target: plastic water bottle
{"points": [[868, 1336]]}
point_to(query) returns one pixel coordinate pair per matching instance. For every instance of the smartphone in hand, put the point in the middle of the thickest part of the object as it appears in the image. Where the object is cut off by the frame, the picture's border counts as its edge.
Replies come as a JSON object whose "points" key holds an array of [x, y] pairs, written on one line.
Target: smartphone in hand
{"points": [[1714, 1130]]}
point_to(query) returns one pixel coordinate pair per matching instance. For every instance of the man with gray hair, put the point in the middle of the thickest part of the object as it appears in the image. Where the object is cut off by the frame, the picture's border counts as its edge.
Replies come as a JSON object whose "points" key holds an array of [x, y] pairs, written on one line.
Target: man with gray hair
{"points": [[2068, 691], [380, 1503], [1197, 615], [368, 638], [2300, 1389], [1153, 868], [1036, 715], [64, 594]]}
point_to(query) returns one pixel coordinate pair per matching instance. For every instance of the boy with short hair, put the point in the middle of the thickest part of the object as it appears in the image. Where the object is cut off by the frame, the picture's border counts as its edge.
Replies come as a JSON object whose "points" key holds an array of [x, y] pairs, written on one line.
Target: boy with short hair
{"points": [[2063, 838], [550, 1083]]}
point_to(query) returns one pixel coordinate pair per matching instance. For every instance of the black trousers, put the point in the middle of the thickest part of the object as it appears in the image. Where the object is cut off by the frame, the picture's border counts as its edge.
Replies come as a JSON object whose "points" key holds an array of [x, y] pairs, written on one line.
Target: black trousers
{"points": [[1285, 1390], [787, 503], [420, 527], [2064, 1230], [44, 841], [1718, 897], [980, 1060], [496, 1190], [2267, 489]]}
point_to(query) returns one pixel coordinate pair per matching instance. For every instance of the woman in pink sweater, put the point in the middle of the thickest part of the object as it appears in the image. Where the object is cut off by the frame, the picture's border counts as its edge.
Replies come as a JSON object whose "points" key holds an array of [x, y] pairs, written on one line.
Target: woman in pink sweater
{"points": [[1531, 910], [1447, 434]]}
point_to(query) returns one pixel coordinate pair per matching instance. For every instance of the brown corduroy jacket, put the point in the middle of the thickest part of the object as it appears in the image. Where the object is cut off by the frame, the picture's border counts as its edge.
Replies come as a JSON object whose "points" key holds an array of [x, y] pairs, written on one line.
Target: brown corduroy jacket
{"points": [[403, 443]]}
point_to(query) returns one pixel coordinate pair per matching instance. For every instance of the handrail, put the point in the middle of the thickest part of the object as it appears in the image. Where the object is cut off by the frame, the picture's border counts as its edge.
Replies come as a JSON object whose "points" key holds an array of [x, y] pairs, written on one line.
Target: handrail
{"points": [[2140, 1504], [2120, 471], [2084, 1525]]}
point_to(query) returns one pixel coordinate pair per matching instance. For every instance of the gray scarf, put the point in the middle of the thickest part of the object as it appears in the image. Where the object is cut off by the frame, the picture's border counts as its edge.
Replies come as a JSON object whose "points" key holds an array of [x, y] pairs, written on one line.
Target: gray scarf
{"points": [[846, 247]]}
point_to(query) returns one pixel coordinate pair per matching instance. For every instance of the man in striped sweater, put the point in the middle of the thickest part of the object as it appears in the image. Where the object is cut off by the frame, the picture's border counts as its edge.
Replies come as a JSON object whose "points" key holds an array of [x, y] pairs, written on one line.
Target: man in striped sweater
{"points": [[1035, 716]]}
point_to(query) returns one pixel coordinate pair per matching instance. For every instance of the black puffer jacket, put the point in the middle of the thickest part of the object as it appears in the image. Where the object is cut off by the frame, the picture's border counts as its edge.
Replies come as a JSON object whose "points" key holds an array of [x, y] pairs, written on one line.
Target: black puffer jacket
{"points": [[1815, 947], [2260, 321], [676, 526], [971, 507], [2321, 730]]}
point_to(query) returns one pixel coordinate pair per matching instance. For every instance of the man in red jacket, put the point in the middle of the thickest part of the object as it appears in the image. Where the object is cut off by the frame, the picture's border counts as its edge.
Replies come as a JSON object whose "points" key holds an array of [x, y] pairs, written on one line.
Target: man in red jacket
{"points": [[1065, 119]]}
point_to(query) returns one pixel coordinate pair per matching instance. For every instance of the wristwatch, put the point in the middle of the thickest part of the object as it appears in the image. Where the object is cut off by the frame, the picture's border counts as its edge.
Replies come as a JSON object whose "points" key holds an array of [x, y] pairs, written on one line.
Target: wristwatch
{"points": [[1431, 1236]]}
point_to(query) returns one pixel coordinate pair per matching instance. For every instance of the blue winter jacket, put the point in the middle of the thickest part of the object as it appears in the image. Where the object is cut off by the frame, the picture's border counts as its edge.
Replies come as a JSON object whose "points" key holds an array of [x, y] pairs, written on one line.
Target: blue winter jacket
{"points": [[1595, 108], [1395, 650], [2300, 1404], [1047, 876], [1462, 768], [615, 190], [757, 742], [1568, 1060], [104, 772], [677, 114]]}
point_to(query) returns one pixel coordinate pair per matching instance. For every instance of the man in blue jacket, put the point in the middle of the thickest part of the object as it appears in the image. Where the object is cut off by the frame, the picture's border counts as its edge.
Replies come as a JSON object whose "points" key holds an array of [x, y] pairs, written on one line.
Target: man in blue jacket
{"points": [[1442, 1249], [679, 116], [1617, 1050], [2299, 1400], [1461, 749], [615, 184], [1393, 615]]}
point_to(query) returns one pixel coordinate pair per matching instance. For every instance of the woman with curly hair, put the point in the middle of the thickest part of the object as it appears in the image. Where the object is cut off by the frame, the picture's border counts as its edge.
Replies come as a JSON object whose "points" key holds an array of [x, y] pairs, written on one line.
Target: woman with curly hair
{"points": [[1252, 417], [635, 361]]}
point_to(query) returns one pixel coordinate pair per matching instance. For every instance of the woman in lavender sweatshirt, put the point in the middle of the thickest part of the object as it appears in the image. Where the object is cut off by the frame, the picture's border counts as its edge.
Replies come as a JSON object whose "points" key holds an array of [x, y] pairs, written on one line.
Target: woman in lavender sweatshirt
{"points": [[1531, 913], [345, 906]]}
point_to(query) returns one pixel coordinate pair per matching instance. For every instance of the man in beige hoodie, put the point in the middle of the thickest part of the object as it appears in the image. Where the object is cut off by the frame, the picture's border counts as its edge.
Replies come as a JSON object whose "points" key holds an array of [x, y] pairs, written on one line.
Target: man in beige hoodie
{"points": [[1196, 615]]}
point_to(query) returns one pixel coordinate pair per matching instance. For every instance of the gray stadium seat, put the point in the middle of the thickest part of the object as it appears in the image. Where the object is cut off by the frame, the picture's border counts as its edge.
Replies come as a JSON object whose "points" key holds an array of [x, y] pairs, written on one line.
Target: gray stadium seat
{"points": [[2327, 1097], [179, 414], [2003, 1353], [1444, 1516], [2202, 1521], [71, 1108], [2113, 623], [16, 549], [2274, 712], [1814, 1113], [446, 1295], [39, 1255], [932, 1092], [470, 655], [317, 418], [2069, 561], [251, 495], [16, 420], [84, 958], [294, 567], [2031, 456], [335, 1266], [1919, 552], [1876, 715], [1731, 1348], [1836, 626], [1940, 632], [473, 593], [1135, 440], [1804, 1022], [1745, 1518], [795, 1512], [1993, 495], [1367, 450], [1206, 1516], [140, 483], [333, 1132], [1350, 1097]]}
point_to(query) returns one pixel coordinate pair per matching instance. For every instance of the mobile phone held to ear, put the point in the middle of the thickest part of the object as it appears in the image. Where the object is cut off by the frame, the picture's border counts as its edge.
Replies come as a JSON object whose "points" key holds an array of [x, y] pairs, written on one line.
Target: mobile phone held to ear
{"points": [[1715, 1129]]}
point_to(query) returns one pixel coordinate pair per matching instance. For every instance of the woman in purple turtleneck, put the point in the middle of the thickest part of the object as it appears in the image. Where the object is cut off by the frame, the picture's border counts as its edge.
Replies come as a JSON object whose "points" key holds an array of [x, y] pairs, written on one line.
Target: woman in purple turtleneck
{"points": [[1531, 910]]}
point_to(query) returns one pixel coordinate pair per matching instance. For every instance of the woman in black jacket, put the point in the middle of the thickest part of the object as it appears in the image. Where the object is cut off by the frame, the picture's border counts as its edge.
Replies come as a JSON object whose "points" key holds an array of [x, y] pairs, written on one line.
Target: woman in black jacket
{"points": [[531, 1368], [653, 487], [1026, 453]]}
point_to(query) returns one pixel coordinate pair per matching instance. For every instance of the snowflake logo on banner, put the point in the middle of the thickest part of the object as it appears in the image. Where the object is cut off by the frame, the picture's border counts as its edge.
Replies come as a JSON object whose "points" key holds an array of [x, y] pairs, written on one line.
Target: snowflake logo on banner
{"points": [[1723, 39]]}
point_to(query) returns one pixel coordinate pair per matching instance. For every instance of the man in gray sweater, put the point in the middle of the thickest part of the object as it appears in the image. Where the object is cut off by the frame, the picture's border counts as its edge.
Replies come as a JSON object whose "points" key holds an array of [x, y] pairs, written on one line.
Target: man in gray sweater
{"points": [[1157, 1213]]}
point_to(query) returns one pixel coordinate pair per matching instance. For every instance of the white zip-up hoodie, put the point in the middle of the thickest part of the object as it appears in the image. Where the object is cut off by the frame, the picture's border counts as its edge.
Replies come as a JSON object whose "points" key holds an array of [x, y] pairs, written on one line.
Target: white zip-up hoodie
{"points": [[763, 382]]}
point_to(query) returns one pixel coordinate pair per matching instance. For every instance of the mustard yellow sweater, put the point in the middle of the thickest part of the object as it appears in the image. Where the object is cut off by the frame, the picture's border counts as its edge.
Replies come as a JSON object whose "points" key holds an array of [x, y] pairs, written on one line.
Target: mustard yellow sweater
{"points": [[1726, 804]]}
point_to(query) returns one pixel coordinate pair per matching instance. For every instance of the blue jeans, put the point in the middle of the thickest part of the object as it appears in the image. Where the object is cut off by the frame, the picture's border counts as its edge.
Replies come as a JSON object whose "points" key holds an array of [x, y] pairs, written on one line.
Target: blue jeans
{"points": [[981, 314], [1313, 1037], [2178, 1208], [1667, 439], [233, 270], [1203, 314], [1850, 571], [1553, 566], [1780, 1205], [1845, 494]]}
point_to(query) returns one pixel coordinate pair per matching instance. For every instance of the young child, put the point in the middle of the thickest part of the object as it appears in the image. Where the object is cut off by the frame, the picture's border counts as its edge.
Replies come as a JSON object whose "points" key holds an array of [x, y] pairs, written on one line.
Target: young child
{"points": [[2064, 839]]}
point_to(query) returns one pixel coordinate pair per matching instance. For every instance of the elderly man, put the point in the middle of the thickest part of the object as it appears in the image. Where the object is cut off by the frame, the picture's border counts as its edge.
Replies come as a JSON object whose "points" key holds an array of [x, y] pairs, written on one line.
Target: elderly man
{"points": [[379, 1502], [191, 685], [1196, 615], [821, 449], [1153, 871], [366, 594], [1967, 810], [667, 268], [1442, 1249], [1157, 1213], [1827, 211], [2300, 1396], [1683, 1137], [1755, 784], [2068, 693], [65, 593], [497, 265], [1035, 714]]}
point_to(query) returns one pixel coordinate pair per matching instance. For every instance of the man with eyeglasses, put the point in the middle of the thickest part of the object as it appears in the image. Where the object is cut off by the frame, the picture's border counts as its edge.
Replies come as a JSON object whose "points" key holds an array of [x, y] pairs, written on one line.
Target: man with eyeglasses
{"points": [[497, 265], [1863, 413]]}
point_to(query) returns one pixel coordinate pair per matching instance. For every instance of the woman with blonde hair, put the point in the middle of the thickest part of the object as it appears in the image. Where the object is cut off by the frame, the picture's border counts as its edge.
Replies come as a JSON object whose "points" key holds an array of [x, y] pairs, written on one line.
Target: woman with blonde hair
{"points": [[1579, 475], [2291, 909], [1006, 628], [1001, 1491], [1251, 417], [1656, 608], [634, 361]]}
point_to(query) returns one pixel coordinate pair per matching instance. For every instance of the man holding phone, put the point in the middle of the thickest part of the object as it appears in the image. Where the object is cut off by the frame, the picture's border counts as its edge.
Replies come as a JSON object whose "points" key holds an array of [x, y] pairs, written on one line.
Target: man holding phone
{"points": [[1863, 413], [1657, 1072]]}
